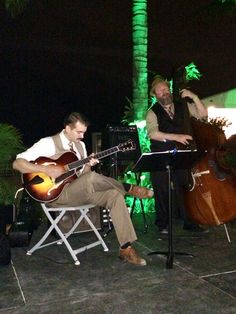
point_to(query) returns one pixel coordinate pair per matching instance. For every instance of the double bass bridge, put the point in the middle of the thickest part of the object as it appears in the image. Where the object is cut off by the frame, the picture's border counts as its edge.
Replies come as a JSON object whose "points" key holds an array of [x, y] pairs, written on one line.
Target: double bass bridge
{"points": [[197, 174]]}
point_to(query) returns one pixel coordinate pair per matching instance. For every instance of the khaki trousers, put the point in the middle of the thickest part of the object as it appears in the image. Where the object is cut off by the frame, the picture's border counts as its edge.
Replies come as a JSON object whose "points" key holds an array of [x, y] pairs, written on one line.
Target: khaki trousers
{"points": [[103, 191]]}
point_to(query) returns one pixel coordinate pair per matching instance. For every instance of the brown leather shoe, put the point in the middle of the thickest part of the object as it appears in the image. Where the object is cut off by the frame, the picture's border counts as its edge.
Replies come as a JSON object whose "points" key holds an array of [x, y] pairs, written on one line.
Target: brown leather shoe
{"points": [[140, 192], [131, 256]]}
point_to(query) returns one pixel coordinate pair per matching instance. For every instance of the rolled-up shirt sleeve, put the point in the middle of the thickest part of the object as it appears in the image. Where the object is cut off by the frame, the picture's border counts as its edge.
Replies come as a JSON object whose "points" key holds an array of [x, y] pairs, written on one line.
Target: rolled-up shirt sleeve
{"points": [[151, 123]]}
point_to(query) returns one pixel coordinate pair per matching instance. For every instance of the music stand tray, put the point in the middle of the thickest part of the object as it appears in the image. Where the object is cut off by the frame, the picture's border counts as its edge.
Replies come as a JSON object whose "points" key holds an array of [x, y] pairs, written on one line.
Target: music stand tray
{"points": [[149, 162], [169, 161]]}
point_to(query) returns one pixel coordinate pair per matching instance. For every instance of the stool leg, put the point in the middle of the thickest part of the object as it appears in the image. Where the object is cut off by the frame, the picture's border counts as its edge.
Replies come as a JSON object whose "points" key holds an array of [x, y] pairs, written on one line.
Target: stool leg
{"points": [[63, 237], [53, 222]]}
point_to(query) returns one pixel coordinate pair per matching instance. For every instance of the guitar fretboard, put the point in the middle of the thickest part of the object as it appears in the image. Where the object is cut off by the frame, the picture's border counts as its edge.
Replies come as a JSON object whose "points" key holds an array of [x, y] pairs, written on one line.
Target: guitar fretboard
{"points": [[105, 153]]}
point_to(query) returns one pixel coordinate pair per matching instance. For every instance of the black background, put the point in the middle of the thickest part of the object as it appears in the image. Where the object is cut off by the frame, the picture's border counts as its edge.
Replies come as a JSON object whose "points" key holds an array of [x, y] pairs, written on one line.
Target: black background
{"points": [[60, 56]]}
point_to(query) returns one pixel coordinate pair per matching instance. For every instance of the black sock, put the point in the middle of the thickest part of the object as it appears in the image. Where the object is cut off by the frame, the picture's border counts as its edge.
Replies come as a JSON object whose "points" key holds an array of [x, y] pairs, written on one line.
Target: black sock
{"points": [[127, 244], [127, 186]]}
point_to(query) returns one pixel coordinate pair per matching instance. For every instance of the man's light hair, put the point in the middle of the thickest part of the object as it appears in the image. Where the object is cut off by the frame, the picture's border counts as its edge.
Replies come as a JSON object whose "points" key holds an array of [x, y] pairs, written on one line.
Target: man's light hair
{"points": [[157, 80]]}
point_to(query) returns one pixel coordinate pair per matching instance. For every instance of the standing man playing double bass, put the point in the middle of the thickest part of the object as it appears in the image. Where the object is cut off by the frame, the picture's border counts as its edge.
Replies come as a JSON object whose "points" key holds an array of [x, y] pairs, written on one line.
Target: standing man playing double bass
{"points": [[168, 124]]}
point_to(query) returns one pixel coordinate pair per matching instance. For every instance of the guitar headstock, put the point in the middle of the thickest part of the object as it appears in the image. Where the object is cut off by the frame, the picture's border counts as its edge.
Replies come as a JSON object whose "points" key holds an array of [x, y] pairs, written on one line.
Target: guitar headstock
{"points": [[127, 146]]}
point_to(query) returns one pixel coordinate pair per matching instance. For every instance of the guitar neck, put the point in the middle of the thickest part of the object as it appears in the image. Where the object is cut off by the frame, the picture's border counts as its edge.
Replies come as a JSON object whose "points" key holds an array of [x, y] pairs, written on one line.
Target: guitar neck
{"points": [[100, 155]]}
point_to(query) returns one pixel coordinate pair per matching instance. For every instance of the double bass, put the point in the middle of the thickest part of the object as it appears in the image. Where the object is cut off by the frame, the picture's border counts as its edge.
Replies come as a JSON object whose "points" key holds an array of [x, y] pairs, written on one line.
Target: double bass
{"points": [[211, 199]]}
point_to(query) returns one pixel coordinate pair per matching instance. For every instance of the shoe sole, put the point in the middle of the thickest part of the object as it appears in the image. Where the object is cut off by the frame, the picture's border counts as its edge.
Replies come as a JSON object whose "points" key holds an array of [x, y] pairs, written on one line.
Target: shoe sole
{"points": [[126, 261]]}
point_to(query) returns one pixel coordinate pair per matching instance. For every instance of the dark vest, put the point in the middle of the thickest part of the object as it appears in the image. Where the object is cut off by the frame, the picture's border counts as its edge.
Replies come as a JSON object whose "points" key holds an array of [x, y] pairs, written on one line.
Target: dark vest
{"points": [[180, 124]]}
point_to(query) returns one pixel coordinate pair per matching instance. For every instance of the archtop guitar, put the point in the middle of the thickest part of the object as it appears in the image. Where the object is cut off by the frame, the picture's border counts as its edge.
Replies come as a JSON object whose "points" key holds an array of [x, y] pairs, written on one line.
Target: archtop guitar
{"points": [[44, 189]]}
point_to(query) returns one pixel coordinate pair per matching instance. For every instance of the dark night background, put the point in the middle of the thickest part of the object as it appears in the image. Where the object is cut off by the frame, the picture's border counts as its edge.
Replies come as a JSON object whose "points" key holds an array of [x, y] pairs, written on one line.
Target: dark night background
{"points": [[60, 56]]}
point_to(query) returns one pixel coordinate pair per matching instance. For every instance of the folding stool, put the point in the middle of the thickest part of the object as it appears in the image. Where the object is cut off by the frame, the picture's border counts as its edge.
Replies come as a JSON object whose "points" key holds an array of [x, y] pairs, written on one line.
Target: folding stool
{"points": [[63, 238]]}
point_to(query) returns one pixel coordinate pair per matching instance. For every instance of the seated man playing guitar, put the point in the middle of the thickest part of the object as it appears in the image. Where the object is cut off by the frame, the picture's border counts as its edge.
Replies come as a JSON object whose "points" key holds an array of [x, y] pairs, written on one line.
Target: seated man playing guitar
{"points": [[57, 170]]}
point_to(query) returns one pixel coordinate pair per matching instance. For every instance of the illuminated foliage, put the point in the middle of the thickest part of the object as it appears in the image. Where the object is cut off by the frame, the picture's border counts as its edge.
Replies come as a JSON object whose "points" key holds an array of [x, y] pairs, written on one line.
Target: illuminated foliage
{"points": [[135, 111], [192, 72], [128, 117], [144, 180], [16, 7], [140, 85]]}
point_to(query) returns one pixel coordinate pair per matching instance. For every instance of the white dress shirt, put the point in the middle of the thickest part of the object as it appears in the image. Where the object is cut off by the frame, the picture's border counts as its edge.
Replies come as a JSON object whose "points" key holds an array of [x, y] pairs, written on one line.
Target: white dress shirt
{"points": [[45, 147]]}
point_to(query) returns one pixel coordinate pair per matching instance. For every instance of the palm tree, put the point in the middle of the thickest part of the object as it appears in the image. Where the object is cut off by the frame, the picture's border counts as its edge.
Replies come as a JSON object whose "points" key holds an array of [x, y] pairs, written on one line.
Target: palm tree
{"points": [[140, 38]]}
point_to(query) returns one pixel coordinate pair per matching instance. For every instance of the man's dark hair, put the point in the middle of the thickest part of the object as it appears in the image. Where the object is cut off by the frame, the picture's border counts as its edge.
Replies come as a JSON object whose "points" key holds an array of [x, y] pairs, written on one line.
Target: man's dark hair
{"points": [[74, 117]]}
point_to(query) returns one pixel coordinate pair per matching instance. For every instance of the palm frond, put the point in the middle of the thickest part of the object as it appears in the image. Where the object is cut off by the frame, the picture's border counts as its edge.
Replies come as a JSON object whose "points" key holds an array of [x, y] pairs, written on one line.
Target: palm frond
{"points": [[128, 112], [10, 142], [192, 72], [7, 191]]}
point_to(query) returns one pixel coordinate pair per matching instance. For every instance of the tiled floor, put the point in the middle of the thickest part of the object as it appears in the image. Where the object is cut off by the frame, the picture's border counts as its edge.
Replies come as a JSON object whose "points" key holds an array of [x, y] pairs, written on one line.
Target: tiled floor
{"points": [[49, 282]]}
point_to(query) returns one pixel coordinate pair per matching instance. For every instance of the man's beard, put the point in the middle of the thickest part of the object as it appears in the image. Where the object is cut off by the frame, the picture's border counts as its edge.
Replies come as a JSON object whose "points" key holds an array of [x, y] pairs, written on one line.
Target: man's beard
{"points": [[166, 100]]}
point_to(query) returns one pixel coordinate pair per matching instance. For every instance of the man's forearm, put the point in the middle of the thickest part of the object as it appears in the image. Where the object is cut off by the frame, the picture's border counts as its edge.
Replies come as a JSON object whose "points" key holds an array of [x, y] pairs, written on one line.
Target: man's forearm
{"points": [[25, 166], [202, 111], [161, 136], [180, 138]]}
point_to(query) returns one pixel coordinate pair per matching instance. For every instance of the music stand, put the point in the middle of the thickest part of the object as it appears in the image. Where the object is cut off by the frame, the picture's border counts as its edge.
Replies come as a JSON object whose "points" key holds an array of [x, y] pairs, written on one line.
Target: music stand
{"points": [[168, 160]]}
